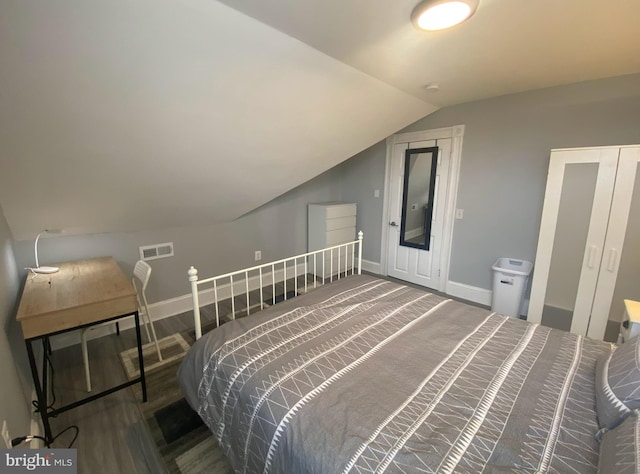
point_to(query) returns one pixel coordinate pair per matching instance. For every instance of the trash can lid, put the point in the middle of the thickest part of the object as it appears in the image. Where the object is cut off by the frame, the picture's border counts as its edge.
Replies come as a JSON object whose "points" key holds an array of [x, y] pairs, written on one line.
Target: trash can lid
{"points": [[512, 266]]}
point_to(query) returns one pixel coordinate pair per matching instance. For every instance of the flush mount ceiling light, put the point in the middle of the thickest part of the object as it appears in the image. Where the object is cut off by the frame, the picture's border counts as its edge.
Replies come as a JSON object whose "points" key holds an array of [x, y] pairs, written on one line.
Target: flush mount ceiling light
{"points": [[433, 15]]}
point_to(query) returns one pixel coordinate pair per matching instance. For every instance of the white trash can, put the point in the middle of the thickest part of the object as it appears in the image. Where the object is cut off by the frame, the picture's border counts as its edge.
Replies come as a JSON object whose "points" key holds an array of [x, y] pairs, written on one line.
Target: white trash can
{"points": [[510, 278]]}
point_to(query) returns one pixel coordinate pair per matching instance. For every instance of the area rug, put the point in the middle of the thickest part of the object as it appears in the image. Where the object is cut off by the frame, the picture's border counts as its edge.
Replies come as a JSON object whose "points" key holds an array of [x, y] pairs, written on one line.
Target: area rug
{"points": [[172, 348], [184, 443]]}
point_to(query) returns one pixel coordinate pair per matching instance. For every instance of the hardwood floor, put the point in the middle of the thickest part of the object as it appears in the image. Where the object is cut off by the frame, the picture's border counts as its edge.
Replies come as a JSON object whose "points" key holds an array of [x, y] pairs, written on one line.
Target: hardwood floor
{"points": [[113, 436]]}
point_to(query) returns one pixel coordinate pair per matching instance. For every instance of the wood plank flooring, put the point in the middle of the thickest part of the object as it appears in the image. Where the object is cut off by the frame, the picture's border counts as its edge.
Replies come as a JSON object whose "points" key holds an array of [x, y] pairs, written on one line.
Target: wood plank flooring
{"points": [[113, 437]]}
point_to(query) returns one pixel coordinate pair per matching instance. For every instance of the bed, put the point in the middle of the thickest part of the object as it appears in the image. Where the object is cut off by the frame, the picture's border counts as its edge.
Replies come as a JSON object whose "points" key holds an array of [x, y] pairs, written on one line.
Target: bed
{"points": [[368, 375]]}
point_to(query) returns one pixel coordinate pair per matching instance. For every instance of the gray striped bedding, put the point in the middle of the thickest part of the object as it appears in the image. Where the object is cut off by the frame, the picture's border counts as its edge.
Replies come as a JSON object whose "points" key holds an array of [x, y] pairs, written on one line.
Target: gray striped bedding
{"points": [[366, 375]]}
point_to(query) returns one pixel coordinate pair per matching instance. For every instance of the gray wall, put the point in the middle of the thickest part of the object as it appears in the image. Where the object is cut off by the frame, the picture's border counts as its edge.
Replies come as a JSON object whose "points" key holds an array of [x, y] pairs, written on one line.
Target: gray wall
{"points": [[503, 172], [278, 229], [15, 395], [505, 156], [359, 177]]}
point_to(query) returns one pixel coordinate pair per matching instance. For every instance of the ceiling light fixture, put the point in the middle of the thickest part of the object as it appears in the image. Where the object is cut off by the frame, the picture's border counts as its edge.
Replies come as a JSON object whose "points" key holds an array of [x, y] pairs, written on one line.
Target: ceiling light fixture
{"points": [[434, 15]]}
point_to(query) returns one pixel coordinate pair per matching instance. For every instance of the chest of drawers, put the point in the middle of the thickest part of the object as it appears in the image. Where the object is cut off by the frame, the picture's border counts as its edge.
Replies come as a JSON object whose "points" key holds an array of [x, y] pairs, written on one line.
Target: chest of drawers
{"points": [[331, 224]]}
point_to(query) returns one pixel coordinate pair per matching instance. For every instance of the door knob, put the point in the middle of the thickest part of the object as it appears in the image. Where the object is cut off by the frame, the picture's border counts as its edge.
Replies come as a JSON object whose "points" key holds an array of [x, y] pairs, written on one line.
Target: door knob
{"points": [[393, 224]]}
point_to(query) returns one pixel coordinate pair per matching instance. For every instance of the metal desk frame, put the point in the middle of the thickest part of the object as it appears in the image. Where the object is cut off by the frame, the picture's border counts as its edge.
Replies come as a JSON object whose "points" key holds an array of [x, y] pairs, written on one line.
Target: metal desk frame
{"points": [[107, 300]]}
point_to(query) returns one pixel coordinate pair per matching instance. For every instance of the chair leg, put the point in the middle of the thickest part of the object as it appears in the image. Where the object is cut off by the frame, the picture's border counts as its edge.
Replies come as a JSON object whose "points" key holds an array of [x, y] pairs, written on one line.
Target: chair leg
{"points": [[85, 358], [153, 331], [146, 327], [117, 328]]}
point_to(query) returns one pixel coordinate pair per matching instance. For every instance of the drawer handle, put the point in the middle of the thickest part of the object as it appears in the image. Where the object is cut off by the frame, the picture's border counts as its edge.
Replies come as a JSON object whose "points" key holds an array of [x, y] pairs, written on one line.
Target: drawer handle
{"points": [[613, 258], [592, 256]]}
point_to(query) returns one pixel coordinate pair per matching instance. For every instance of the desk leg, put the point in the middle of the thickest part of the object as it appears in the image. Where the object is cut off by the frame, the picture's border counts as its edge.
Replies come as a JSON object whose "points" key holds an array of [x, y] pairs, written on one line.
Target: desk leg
{"points": [[45, 372], [140, 358], [42, 399]]}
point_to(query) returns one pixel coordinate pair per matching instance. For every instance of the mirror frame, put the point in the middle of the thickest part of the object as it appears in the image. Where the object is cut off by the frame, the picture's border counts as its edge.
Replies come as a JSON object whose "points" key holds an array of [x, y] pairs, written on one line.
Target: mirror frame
{"points": [[434, 150]]}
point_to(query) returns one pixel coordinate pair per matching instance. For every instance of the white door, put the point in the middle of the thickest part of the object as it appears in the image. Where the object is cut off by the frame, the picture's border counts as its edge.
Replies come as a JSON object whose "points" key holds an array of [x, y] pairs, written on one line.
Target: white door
{"points": [[618, 278], [408, 263], [573, 230]]}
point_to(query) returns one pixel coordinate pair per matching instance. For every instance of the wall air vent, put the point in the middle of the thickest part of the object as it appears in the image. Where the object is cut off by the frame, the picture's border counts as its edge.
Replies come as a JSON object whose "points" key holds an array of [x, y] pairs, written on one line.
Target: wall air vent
{"points": [[152, 252]]}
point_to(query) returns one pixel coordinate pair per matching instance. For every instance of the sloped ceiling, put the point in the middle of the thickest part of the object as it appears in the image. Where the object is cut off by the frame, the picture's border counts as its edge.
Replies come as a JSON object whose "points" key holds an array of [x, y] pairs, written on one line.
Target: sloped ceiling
{"points": [[119, 115], [508, 46]]}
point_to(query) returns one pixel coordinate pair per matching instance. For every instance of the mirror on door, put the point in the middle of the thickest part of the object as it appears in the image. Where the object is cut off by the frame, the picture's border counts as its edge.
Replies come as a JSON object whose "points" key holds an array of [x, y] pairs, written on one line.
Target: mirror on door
{"points": [[417, 196]]}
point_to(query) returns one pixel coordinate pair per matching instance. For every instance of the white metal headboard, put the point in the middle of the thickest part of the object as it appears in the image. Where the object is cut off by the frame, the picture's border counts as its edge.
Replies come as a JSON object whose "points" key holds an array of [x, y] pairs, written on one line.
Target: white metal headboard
{"points": [[268, 271]]}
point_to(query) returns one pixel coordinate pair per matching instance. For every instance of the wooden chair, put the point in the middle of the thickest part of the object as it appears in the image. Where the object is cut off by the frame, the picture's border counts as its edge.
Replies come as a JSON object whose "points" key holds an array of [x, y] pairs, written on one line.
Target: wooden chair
{"points": [[140, 279]]}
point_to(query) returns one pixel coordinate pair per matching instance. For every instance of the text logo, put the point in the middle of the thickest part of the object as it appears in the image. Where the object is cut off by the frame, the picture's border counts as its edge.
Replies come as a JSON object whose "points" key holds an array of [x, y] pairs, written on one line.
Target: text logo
{"points": [[54, 461]]}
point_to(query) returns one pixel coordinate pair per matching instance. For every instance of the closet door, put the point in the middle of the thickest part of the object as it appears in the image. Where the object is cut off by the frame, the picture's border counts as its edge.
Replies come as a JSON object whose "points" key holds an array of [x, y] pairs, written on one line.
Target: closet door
{"points": [[572, 235], [619, 276]]}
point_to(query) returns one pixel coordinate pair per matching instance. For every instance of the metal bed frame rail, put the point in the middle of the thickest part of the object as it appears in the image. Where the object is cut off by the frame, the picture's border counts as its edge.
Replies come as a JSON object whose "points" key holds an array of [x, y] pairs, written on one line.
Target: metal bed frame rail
{"points": [[266, 269]]}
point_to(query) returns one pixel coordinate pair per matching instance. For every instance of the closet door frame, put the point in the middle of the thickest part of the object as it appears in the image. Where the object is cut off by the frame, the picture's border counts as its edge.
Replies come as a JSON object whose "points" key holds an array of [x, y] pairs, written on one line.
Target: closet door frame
{"points": [[607, 160], [628, 163]]}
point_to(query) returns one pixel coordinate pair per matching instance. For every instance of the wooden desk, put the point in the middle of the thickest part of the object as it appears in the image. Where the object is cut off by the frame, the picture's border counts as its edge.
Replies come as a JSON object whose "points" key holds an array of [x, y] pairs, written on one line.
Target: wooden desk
{"points": [[83, 293]]}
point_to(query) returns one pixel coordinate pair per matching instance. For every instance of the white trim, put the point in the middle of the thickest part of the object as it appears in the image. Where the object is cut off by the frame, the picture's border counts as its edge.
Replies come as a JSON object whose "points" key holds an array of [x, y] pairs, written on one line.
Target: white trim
{"points": [[451, 204], [469, 293], [384, 245], [603, 147], [478, 295], [171, 307], [410, 234], [456, 134], [422, 135], [371, 267]]}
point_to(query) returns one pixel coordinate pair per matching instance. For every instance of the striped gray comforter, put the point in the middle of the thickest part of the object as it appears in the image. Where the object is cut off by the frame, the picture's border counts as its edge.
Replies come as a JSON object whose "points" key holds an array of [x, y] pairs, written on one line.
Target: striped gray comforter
{"points": [[366, 375]]}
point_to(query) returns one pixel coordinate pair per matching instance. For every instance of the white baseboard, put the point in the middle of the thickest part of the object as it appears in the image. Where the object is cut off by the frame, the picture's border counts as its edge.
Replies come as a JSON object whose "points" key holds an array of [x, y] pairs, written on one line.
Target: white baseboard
{"points": [[469, 293], [410, 234], [477, 295], [372, 267], [172, 306]]}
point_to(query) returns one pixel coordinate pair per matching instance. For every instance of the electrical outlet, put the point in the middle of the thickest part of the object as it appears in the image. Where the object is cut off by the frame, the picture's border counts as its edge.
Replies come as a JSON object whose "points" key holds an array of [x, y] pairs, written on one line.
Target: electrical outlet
{"points": [[5, 434], [258, 255]]}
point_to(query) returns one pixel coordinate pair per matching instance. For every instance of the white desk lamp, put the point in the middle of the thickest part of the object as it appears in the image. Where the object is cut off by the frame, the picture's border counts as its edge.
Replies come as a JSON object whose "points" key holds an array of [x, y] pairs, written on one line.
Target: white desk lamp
{"points": [[38, 268]]}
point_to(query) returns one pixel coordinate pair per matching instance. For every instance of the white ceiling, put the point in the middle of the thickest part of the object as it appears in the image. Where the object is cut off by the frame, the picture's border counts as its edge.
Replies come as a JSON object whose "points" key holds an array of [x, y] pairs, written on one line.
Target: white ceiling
{"points": [[136, 114], [508, 46]]}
